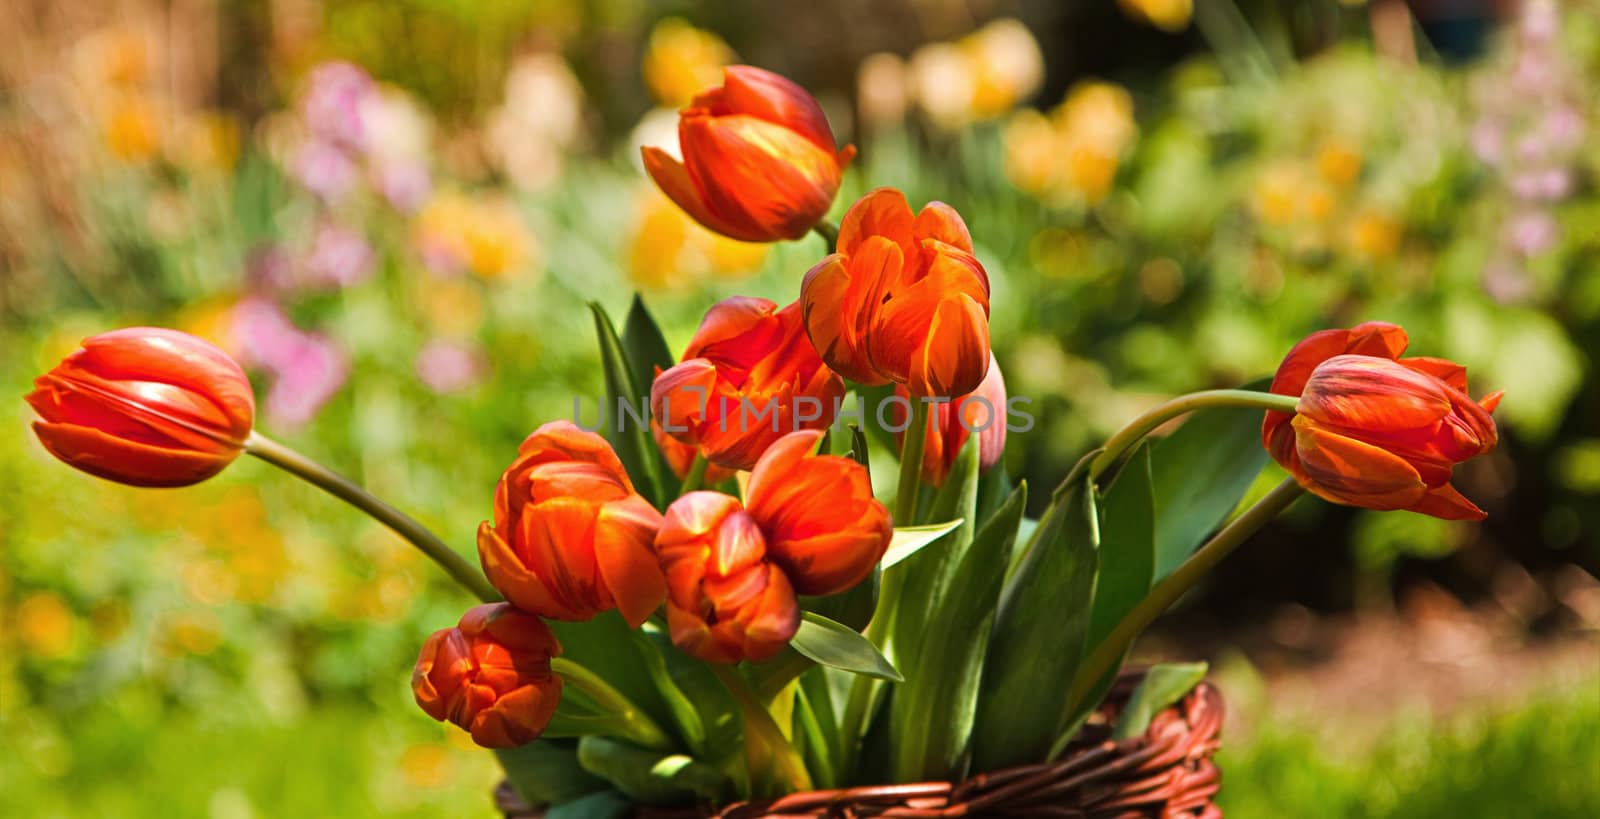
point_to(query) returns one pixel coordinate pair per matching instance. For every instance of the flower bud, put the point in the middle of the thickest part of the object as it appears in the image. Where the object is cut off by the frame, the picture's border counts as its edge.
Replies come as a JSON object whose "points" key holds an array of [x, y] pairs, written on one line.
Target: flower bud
{"points": [[490, 675], [982, 411], [145, 406], [748, 376], [726, 601], [759, 161], [903, 299], [1375, 430], [571, 538]]}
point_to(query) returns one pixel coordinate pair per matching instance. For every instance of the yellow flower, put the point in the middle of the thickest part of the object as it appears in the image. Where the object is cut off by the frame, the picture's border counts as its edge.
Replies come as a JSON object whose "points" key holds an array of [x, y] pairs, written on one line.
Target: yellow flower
{"points": [[668, 249], [427, 766], [208, 142], [484, 236], [1006, 64], [1374, 236], [116, 57], [196, 631], [45, 625], [1072, 156], [682, 61], [883, 89], [132, 129], [1339, 163], [1167, 15]]}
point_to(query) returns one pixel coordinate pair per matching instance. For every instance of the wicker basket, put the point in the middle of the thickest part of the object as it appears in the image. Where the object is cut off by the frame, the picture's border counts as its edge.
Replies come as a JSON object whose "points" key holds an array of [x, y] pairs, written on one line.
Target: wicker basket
{"points": [[1165, 773]]}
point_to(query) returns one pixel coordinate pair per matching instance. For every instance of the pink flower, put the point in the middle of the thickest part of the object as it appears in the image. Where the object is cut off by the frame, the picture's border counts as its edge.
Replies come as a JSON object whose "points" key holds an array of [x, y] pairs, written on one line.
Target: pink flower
{"points": [[324, 170], [332, 104], [448, 366], [339, 257]]}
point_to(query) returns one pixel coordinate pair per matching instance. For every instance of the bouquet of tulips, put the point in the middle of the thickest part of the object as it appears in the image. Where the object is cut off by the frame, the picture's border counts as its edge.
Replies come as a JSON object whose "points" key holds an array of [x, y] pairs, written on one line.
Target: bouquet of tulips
{"points": [[699, 601]]}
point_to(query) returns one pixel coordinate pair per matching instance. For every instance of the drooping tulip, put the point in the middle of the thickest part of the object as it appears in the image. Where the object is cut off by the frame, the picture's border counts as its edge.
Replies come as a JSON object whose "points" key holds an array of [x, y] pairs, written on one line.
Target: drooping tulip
{"points": [[759, 160], [726, 600], [145, 406], [571, 538], [818, 516], [903, 299], [1376, 430], [748, 377], [490, 675]]}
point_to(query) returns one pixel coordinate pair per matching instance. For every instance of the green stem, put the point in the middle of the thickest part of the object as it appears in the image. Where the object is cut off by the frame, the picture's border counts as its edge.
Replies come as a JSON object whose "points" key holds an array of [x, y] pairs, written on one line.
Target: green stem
{"points": [[767, 750], [636, 725], [352, 493], [911, 449], [1130, 435], [696, 476], [1110, 650], [828, 231]]}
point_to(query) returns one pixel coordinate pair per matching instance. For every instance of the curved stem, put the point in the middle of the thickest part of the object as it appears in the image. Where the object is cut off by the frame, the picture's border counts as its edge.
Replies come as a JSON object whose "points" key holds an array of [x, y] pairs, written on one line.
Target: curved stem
{"points": [[1130, 435], [828, 231], [911, 450], [635, 724], [695, 478], [464, 573], [1173, 586]]}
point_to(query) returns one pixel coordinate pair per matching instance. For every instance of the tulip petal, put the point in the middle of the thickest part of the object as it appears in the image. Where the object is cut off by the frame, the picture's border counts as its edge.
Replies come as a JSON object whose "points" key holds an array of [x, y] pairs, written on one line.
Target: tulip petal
{"points": [[1441, 368], [1491, 401], [1376, 338], [776, 99], [1345, 470], [882, 212], [1445, 502], [780, 459], [673, 178], [1369, 393], [954, 358], [681, 398], [129, 462], [770, 181], [511, 578], [940, 221], [624, 532], [168, 356]]}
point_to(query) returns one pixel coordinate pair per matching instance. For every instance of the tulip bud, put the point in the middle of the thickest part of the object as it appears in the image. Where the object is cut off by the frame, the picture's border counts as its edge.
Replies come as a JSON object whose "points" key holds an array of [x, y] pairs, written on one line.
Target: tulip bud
{"points": [[490, 675], [818, 516], [145, 406], [903, 299], [726, 601], [982, 410], [1375, 430], [759, 161], [571, 538], [748, 377]]}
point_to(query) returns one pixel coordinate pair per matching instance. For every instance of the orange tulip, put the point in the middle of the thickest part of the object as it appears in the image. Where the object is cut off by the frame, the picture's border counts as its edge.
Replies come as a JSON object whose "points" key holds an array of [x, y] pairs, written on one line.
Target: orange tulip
{"points": [[145, 406], [1376, 430], [570, 537], [759, 161], [490, 675], [982, 411], [902, 300], [726, 601], [748, 376], [818, 516]]}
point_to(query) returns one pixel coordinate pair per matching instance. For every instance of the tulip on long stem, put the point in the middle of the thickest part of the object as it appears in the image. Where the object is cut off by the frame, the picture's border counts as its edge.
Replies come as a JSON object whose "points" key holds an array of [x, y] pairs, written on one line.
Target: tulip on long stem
{"points": [[403, 525], [1129, 436]]}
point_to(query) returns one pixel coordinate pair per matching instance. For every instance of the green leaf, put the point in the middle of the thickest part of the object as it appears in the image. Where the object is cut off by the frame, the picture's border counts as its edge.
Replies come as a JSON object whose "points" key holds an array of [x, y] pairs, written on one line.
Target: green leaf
{"points": [[908, 540], [926, 576], [546, 771], [602, 805], [1162, 686], [650, 777], [858, 449], [1198, 474], [1127, 547], [628, 435], [852, 607], [1039, 632], [690, 729], [644, 345], [838, 646], [718, 713], [932, 714], [604, 644], [818, 727]]}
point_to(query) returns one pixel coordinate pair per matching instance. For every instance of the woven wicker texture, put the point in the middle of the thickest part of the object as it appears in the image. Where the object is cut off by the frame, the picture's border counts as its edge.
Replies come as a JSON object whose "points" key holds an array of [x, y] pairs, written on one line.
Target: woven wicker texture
{"points": [[1165, 773]]}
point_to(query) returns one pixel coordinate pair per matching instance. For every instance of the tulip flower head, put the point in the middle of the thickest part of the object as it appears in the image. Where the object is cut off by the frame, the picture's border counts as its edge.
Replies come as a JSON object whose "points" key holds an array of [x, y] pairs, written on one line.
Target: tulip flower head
{"points": [[726, 601], [903, 299], [145, 406], [571, 538], [821, 523], [982, 411], [759, 160], [748, 376], [490, 675], [1376, 430]]}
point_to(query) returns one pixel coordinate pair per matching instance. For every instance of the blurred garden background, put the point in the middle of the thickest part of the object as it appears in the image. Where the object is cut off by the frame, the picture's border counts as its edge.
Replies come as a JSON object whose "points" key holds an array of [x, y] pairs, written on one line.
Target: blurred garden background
{"points": [[393, 211]]}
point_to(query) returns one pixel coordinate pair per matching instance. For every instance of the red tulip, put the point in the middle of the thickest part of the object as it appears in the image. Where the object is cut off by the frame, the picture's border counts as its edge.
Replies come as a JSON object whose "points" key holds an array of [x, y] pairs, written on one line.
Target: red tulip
{"points": [[759, 161], [726, 601], [145, 406], [748, 377], [903, 299], [570, 537], [982, 411], [490, 675], [818, 516], [1376, 430]]}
